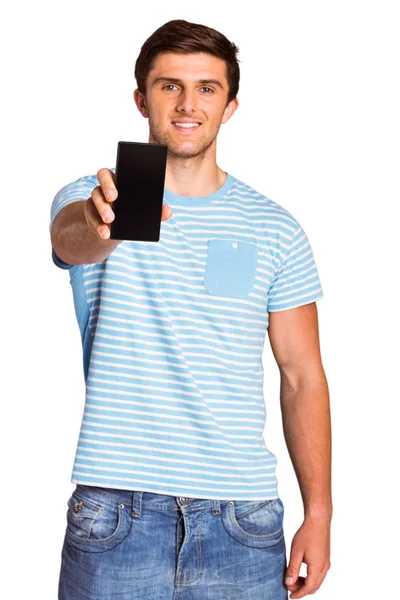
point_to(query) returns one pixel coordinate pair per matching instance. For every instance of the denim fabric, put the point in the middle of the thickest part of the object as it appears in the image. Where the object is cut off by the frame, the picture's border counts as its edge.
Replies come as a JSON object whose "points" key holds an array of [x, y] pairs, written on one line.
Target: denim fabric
{"points": [[131, 545]]}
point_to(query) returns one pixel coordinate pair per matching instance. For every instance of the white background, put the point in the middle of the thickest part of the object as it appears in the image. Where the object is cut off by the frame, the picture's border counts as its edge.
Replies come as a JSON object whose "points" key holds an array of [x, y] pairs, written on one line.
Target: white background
{"points": [[317, 131]]}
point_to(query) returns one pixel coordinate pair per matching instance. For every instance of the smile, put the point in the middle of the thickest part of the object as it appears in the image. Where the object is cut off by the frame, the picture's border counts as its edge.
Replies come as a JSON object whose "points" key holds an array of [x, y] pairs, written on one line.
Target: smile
{"points": [[186, 127]]}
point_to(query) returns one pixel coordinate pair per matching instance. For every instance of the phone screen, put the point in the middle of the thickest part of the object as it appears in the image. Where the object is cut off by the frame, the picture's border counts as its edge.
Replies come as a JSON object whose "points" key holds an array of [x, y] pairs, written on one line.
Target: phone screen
{"points": [[139, 179]]}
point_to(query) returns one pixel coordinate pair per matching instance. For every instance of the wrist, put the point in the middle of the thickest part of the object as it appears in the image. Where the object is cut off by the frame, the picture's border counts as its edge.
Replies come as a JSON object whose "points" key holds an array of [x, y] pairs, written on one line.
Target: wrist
{"points": [[319, 513]]}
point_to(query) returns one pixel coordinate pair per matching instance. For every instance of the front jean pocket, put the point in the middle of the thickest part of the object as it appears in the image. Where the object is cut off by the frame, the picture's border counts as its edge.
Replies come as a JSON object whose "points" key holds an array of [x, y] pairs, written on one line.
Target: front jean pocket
{"points": [[230, 267], [95, 523], [254, 523]]}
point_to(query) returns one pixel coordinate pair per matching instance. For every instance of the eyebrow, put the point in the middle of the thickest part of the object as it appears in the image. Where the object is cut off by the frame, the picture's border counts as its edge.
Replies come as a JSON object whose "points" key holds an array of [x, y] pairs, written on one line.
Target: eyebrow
{"points": [[179, 81]]}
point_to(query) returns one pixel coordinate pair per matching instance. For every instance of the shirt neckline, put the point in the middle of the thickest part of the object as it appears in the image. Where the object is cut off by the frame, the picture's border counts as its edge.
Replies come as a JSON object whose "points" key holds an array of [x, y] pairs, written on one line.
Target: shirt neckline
{"points": [[176, 199]]}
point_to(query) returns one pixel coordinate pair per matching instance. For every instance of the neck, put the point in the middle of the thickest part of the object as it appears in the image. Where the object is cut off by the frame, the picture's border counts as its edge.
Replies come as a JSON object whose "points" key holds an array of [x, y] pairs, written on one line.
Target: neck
{"points": [[196, 176], [199, 181]]}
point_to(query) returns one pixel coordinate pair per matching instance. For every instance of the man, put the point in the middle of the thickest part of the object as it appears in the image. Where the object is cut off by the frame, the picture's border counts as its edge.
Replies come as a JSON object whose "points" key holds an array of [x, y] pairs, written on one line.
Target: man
{"points": [[176, 492]]}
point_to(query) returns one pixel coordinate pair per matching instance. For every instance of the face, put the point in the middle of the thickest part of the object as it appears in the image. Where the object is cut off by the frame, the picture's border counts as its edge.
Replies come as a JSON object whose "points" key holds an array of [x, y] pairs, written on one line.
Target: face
{"points": [[191, 88]]}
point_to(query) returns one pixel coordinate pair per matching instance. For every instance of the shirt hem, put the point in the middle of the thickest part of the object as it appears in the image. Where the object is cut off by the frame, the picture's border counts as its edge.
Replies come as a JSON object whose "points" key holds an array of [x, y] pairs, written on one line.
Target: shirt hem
{"points": [[176, 493]]}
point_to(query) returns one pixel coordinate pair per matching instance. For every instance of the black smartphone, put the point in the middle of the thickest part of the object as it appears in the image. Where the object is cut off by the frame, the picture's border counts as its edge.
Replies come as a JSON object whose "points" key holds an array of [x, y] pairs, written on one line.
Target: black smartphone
{"points": [[139, 179]]}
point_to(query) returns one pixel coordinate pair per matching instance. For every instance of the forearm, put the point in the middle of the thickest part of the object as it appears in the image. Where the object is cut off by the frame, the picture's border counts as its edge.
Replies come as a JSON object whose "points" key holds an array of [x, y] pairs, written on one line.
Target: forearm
{"points": [[307, 430], [74, 241]]}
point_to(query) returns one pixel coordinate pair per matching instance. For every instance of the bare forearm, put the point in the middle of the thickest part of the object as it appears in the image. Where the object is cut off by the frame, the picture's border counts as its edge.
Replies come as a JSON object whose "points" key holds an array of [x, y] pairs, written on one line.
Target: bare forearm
{"points": [[74, 241], [307, 430]]}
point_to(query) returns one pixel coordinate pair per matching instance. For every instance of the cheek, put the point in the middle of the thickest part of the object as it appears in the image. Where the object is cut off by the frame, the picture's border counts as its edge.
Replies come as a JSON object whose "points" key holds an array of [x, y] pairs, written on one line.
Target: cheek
{"points": [[157, 121], [160, 117], [216, 121], [214, 113]]}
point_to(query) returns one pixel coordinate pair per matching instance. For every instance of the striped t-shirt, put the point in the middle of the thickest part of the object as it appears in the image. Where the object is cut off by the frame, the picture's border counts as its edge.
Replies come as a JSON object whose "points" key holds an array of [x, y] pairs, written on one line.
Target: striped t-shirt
{"points": [[173, 334]]}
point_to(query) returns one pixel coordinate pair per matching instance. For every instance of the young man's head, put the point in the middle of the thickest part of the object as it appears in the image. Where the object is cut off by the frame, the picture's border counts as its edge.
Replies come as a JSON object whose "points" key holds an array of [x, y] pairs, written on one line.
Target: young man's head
{"points": [[188, 73]]}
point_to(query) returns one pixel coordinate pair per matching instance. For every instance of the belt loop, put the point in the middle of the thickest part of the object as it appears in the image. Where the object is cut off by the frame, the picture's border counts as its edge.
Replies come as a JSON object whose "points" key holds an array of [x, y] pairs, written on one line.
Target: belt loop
{"points": [[216, 507], [137, 504]]}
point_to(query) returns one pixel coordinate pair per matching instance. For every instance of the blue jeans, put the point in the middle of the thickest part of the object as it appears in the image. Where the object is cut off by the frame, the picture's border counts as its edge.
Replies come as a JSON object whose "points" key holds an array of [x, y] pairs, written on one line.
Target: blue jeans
{"points": [[131, 545]]}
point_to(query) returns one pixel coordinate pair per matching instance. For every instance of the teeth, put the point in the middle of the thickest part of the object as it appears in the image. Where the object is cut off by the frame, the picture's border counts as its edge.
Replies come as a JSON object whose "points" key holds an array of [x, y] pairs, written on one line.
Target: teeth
{"points": [[186, 124]]}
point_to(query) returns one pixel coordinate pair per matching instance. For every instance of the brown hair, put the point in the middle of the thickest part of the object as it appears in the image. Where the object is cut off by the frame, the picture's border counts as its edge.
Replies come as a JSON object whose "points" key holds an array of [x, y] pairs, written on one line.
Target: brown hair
{"points": [[182, 37]]}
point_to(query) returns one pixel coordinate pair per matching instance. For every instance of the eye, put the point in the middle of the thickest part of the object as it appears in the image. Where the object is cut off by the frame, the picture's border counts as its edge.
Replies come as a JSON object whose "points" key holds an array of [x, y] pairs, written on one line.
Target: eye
{"points": [[168, 85], [207, 88]]}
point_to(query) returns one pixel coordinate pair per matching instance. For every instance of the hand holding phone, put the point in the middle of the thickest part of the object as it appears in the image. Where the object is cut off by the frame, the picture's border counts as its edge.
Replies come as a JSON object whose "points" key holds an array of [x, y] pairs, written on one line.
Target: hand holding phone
{"points": [[98, 208]]}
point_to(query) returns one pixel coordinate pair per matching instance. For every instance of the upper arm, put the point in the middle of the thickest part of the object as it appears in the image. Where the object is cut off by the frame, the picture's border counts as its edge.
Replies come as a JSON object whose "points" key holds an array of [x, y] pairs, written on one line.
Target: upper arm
{"points": [[293, 316], [294, 338]]}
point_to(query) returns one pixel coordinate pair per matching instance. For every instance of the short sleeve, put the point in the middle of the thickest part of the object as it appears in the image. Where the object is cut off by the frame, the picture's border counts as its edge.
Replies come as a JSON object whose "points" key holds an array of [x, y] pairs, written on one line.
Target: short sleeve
{"points": [[81, 189], [297, 280]]}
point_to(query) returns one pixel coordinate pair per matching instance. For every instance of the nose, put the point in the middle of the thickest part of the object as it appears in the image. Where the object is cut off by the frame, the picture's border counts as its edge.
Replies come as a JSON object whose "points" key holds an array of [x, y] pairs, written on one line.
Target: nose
{"points": [[187, 101]]}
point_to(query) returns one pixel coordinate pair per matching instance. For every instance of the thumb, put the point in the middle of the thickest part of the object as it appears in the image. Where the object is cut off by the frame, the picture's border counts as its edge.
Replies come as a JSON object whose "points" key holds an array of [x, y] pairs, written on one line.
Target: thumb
{"points": [[166, 212], [293, 570]]}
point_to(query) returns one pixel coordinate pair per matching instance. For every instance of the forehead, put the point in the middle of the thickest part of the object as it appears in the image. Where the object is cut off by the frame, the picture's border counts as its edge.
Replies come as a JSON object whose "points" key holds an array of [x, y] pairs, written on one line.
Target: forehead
{"points": [[191, 67]]}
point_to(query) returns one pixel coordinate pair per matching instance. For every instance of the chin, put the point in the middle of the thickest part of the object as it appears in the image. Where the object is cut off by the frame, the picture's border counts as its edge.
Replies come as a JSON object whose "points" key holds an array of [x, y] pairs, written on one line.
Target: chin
{"points": [[180, 153], [184, 149]]}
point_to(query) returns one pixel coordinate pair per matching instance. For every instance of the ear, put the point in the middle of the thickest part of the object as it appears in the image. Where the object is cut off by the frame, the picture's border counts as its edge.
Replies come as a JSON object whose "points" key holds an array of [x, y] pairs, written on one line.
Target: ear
{"points": [[229, 110], [141, 103]]}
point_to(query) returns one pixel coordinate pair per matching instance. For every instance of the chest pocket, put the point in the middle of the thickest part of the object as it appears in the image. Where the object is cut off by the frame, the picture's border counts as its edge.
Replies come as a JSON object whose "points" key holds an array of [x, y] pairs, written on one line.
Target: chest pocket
{"points": [[230, 267]]}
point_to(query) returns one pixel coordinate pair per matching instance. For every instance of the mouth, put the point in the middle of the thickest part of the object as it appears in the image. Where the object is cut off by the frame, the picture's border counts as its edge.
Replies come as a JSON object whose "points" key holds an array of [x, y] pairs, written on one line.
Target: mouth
{"points": [[186, 126]]}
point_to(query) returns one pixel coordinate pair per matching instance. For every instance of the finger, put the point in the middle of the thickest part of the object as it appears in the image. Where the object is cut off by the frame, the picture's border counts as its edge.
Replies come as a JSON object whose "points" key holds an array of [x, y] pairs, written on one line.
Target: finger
{"points": [[304, 590], [293, 570], [107, 183], [295, 587], [94, 220], [166, 212], [309, 586], [103, 207]]}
